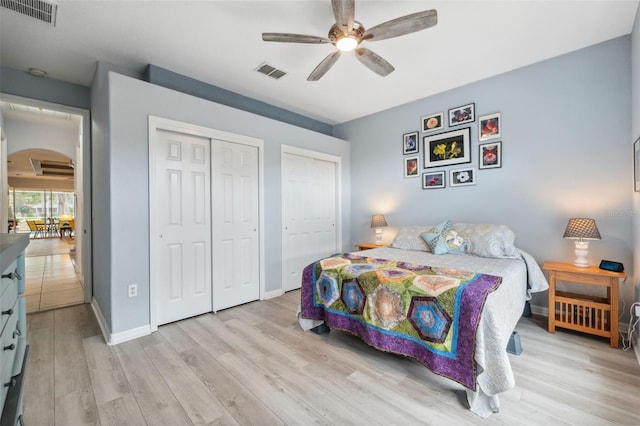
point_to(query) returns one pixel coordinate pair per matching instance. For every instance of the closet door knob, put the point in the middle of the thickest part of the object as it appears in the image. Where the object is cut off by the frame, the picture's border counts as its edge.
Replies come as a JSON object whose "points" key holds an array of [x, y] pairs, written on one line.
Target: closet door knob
{"points": [[10, 383], [10, 347], [8, 312]]}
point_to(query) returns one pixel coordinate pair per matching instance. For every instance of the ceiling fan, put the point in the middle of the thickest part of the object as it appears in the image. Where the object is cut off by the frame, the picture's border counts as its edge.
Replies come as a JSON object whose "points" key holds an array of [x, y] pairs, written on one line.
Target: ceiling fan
{"points": [[347, 34]]}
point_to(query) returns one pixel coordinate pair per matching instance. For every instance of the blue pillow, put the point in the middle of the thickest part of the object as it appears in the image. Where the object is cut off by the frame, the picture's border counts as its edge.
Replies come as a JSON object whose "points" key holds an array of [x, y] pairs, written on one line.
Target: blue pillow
{"points": [[443, 239]]}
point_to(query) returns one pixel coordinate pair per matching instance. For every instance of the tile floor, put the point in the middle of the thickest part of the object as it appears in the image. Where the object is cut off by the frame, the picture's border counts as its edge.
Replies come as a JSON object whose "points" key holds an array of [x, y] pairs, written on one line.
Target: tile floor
{"points": [[51, 279]]}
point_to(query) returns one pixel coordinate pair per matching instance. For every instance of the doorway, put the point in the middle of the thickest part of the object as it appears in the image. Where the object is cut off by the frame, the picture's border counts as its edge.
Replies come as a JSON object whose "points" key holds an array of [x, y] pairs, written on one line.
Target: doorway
{"points": [[57, 139], [206, 220], [310, 210]]}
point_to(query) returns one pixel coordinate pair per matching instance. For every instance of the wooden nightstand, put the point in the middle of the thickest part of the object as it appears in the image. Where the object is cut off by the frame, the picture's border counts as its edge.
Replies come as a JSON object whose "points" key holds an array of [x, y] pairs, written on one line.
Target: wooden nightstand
{"points": [[589, 314], [367, 246]]}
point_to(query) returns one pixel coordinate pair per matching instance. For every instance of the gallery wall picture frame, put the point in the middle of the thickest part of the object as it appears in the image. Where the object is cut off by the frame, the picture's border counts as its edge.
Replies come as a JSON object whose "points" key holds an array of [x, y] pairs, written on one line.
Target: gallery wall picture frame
{"points": [[462, 114], [489, 127], [490, 155], [410, 143], [462, 177], [430, 123], [443, 149], [433, 180], [636, 165], [411, 166]]}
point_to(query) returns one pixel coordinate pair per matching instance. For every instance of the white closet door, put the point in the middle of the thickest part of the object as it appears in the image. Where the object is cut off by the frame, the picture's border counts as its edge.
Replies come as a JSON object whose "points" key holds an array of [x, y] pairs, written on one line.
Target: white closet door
{"points": [[309, 197], [183, 212], [236, 277]]}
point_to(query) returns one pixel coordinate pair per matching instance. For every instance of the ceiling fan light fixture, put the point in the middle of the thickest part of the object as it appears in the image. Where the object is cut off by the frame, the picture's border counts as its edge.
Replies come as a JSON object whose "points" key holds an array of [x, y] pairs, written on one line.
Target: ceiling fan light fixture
{"points": [[347, 43]]}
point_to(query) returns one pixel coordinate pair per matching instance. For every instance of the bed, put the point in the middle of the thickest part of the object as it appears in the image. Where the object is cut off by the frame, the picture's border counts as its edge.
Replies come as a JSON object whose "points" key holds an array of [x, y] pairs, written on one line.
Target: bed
{"points": [[453, 311]]}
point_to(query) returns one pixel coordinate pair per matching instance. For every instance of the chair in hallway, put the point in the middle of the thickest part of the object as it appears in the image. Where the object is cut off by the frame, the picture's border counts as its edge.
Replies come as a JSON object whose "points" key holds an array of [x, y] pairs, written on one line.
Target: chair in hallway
{"points": [[37, 231], [66, 225]]}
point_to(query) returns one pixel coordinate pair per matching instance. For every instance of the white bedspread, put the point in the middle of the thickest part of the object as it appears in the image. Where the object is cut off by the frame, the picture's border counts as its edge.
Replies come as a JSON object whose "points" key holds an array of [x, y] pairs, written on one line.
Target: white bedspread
{"points": [[503, 308]]}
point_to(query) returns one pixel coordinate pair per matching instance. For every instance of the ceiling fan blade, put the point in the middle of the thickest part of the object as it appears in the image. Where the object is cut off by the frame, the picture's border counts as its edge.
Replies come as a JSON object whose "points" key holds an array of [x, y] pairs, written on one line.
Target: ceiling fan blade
{"points": [[344, 11], [374, 62], [294, 38], [324, 66], [404, 25]]}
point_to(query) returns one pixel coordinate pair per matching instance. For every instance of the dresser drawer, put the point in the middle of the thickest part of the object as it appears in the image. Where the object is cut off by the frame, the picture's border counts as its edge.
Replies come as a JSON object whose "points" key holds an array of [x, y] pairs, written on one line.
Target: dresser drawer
{"points": [[7, 282], [21, 331], [8, 350], [7, 304]]}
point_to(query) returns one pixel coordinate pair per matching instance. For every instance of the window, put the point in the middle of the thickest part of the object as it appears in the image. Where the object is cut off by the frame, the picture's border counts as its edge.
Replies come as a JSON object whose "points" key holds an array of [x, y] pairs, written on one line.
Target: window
{"points": [[45, 205]]}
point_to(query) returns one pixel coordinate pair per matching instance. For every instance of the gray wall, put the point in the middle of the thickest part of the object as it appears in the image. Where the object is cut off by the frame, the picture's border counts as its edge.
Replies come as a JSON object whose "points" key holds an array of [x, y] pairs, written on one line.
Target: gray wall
{"points": [[23, 134], [21, 83], [635, 108], [121, 184], [100, 190], [565, 145], [181, 83]]}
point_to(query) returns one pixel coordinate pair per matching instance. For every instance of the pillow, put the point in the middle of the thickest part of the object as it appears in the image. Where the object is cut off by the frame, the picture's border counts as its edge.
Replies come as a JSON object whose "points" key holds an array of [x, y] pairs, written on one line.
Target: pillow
{"points": [[488, 240], [444, 239], [408, 238]]}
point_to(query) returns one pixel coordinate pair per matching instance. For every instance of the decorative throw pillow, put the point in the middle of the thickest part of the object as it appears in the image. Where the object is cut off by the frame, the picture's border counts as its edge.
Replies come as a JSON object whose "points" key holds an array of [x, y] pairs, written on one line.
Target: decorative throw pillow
{"points": [[444, 239], [408, 238], [488, 240]]}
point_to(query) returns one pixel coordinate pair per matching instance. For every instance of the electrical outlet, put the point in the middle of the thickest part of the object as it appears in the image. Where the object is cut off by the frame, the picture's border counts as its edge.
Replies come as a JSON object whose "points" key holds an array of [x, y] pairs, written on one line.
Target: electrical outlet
{"points": [[133, 290], [638, 311]]}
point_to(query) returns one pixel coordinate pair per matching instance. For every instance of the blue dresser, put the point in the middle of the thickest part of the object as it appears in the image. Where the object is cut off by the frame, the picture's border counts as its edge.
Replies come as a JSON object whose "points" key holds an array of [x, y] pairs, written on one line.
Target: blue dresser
{"points": [[13, 326]]}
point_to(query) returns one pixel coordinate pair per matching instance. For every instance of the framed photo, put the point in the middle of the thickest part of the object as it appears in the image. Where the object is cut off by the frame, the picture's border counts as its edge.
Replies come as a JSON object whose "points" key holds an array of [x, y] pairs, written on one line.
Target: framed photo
{"points": [[447, 148], [636, 165], [490, 156], [433, 180], [489, 126], [411, 167], [432, 122], [410, 143], [462, 177], [462, 114]]}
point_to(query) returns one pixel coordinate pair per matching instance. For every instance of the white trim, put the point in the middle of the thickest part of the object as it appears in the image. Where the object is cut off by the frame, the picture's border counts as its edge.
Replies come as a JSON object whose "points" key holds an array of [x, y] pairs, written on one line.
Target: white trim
{"points": [[272, 294], [116, 338], [622, 326], [156, 123], [125, 336], [87, 214], [539, 310], [102, 322]]}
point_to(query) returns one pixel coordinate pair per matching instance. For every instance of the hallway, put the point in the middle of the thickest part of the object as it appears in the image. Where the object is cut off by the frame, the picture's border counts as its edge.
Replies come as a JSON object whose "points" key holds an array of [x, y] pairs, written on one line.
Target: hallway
{"points": [[51, 279]]}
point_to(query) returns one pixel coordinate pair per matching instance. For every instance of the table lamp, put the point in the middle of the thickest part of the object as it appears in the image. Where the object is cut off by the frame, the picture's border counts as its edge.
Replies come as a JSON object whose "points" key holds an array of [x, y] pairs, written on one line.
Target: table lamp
{"points": [[581, 229], [378, 221]]}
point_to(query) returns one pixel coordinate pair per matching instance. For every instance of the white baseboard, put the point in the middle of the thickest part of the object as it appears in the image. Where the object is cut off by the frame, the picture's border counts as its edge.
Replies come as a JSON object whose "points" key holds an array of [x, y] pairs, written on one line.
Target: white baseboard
{"points": [[623, 326], [127, 335], [539, 310], [271, 294], [115, 338], [102, 323]]}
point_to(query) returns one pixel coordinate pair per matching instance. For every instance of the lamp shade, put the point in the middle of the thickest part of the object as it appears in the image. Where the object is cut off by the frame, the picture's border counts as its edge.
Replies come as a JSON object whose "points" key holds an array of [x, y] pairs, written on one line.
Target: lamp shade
{"points": [[378, 221], [582, 229]]}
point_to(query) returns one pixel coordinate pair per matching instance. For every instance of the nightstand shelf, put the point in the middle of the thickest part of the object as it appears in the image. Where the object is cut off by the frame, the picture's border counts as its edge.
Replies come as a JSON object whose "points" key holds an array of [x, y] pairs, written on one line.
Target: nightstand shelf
{"points": [[581, 312], [367, 246]]}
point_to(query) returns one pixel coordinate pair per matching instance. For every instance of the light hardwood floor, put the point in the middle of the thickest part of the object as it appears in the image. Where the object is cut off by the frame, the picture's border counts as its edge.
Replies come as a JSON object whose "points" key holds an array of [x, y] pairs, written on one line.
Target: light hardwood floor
{"points": [[252, 365]]}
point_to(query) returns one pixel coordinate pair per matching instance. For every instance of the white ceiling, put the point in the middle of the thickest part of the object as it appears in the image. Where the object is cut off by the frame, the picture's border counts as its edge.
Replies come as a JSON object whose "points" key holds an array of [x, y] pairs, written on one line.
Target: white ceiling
{"points": [[219, 42]]}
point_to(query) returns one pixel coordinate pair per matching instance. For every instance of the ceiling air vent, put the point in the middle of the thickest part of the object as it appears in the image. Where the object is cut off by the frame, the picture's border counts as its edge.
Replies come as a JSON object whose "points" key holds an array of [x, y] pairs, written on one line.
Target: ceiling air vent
{"points": [[270, 71], [52, 168], [41, 10]]}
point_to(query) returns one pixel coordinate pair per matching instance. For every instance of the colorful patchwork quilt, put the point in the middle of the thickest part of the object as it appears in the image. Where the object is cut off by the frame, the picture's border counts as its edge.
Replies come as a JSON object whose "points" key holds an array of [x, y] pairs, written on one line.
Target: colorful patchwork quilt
{"points": [[428, 313]]}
